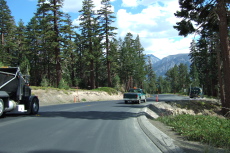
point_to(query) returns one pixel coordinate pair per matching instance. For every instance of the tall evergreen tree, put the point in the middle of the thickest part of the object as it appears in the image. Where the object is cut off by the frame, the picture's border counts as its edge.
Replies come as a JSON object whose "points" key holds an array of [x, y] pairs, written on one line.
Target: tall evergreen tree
{"points": [[87, 28], [21, 48], [183, 77], [7, 29], [106, 18], [151, 77], [127, 61], [172, 76], [69, 54], [140, 72], [194, 76], [52, 43], [211, 16], [132, 63]]}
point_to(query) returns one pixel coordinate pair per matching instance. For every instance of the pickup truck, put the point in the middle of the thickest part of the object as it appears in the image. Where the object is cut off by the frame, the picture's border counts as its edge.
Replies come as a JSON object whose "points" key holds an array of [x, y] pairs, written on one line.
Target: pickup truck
{"points": [[135, 95]]}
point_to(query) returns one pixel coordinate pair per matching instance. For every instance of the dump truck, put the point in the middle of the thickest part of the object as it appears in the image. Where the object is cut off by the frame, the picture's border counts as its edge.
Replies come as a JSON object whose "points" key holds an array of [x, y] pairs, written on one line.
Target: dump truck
{"points": [[134, 95], [15, 93]]}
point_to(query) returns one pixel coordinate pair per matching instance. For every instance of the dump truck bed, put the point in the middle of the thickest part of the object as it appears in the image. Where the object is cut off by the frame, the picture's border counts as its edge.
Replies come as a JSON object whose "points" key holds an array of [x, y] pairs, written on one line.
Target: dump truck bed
{"points": [[9, 80]]}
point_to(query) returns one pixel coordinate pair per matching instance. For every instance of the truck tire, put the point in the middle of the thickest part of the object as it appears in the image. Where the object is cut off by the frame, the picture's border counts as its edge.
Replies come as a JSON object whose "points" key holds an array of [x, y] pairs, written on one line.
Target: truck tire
{"points": [[1, 107], [34, 106], [139, 101]]}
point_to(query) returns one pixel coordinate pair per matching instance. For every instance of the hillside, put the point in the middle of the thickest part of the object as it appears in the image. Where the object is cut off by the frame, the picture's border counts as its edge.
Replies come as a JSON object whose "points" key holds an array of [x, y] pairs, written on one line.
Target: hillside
{"points": [[153, 58]]}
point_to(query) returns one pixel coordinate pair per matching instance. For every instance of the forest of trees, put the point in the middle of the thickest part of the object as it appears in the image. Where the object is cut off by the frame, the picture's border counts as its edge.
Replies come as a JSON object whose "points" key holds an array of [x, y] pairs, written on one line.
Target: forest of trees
{"points": [[56, 53], [210, 53]]}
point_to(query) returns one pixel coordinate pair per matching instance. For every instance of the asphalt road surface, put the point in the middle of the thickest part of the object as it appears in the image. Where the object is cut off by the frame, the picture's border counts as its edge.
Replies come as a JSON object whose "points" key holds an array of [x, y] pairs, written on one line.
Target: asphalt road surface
{"points": [[168, 97], [90, 127]]}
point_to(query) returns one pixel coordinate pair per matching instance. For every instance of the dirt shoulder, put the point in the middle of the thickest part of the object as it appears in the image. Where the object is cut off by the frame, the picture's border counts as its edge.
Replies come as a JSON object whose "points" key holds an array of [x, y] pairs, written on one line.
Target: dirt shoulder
{"points": [[194, 108], [54, 97]]}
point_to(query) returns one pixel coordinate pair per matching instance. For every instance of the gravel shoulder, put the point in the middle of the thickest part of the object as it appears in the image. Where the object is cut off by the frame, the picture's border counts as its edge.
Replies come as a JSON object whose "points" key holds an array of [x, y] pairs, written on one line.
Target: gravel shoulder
{"points": [[182, 142]]}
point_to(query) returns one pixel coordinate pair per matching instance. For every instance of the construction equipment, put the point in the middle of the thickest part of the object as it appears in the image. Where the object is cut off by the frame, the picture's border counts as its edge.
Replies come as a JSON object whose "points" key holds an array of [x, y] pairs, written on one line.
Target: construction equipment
{"points": [[15, 93]]}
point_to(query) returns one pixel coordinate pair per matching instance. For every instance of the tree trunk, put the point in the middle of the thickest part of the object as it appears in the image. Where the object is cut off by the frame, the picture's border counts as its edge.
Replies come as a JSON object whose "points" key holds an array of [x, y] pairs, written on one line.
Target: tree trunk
{"points": [[222, 98], [225, 49]]}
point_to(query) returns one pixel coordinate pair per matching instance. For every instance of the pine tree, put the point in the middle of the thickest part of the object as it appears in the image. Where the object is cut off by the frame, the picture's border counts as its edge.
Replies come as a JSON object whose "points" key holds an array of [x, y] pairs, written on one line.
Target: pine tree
{"points": [[172, 76], [131, 62], [106, 18], [151, 78], [7, 29], [52, 23], [183, 77], [140, 72], [195, 82], [127, 61], [69, 54], [21, 48], [87, 26], [33, 42], [210, 17]]}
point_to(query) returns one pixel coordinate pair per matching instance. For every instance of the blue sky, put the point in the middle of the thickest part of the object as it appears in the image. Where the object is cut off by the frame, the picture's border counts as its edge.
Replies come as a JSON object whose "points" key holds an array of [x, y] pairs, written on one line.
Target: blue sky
{"points": [[152, 20]]}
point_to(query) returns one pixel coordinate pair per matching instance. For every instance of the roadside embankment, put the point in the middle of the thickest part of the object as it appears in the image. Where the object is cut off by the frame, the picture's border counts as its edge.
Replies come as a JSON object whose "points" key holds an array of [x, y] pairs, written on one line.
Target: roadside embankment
{"points": [[55, 96], [195, 125]]}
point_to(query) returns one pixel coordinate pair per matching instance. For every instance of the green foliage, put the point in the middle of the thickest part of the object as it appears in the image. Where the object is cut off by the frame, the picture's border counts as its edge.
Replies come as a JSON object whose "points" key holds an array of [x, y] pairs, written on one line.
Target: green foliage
{"points": [[7, 32], [210, 51], [178, 78], [49, 49], [110, 91], [163, 86], [131, 62], [211, 130], [150, 85], [63, 84], [45, 82]]}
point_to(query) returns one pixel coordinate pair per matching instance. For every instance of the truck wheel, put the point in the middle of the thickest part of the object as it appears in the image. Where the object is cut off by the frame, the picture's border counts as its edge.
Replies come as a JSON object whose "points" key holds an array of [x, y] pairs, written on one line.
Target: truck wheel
{"points": [[139, 101], [1, 107], [145, 101], [34, 107]]}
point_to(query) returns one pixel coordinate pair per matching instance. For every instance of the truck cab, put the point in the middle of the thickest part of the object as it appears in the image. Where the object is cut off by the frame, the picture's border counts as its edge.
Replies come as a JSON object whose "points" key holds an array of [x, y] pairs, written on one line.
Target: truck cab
{"points": [[135, 95]]}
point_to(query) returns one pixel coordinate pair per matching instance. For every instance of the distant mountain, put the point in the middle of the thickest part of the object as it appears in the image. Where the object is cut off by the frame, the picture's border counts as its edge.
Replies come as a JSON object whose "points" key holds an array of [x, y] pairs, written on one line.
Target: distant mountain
{"points": [[162, 66], [153, 58]]}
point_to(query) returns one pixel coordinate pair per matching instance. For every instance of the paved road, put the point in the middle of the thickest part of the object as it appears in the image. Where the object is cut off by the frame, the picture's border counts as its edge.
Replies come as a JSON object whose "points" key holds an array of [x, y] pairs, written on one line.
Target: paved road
{"points": [[168, 97], [93, 127]]}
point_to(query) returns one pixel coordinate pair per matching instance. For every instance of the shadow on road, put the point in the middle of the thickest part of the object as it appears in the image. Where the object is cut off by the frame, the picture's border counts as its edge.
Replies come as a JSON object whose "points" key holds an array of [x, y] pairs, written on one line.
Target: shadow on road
{"points": [[90, 115], [54, 151]]}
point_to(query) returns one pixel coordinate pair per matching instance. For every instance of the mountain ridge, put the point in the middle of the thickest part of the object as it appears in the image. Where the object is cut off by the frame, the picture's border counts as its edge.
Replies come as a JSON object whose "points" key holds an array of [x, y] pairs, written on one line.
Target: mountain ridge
{"points": [[161, 66]]}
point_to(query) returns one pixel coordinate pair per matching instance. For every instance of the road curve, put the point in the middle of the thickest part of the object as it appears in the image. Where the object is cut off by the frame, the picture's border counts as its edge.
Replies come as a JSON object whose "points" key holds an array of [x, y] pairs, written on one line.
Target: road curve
{"points": [[90, 127]]}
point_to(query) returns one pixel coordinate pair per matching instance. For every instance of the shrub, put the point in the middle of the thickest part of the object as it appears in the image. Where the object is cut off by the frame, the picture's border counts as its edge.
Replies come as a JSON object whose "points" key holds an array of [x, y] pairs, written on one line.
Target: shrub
{"points": [[63, 84], [109, 90], [44, 82], [207, 129]]}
